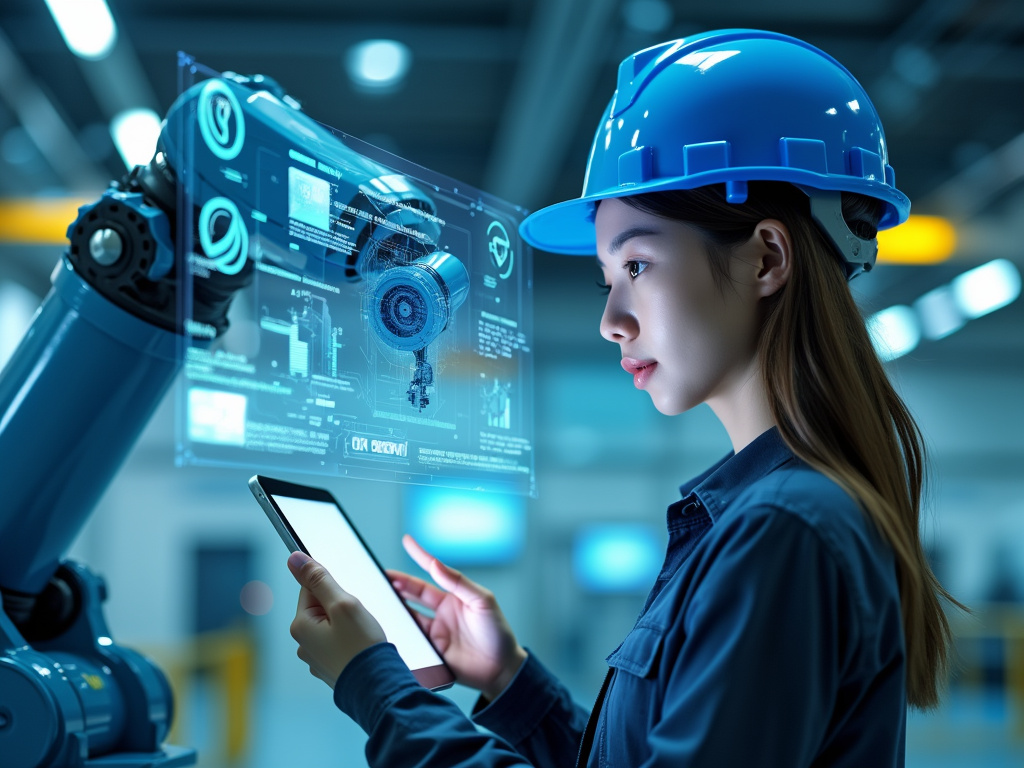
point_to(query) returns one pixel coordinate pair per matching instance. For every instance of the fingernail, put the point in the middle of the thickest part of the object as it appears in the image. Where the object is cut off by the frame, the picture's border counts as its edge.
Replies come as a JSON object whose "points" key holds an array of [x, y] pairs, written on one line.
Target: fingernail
{"points": [[298, 559]]}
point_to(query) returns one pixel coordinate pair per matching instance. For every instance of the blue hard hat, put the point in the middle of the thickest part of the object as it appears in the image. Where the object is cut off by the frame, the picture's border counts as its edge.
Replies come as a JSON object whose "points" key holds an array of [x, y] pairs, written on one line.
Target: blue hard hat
{"points": [[728, 106]]}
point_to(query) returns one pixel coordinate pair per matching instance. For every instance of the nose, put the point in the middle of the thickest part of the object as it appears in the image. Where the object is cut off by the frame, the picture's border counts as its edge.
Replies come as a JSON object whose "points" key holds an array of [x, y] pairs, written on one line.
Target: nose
{"points": [[618, 323]]}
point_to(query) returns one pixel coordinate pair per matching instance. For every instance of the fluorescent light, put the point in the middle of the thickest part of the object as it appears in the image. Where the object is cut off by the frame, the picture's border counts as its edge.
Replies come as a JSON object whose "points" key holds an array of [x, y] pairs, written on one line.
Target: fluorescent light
{"points": [[939, 313], [86, 26], [986, 288], [378, 65], [918, 240], [135, 133], [894, 331]]}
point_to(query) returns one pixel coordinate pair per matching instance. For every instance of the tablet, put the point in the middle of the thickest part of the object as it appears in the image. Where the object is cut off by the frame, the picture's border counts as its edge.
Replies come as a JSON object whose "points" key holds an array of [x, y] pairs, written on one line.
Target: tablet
{"points": [[309, 519]]}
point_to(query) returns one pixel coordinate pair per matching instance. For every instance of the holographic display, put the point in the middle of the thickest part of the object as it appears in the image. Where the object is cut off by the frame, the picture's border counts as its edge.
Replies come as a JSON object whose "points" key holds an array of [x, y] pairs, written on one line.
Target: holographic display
{"points": [[386, 329]]}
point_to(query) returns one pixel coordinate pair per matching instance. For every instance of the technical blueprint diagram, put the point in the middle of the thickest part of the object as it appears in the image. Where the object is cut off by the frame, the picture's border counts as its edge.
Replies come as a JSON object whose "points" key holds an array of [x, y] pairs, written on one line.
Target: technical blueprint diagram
{"points": [[385, 330]]}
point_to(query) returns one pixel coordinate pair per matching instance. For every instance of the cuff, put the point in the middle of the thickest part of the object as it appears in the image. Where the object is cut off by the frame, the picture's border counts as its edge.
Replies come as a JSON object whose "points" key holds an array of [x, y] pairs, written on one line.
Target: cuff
{"points": [[520, 708], [373, 679]]}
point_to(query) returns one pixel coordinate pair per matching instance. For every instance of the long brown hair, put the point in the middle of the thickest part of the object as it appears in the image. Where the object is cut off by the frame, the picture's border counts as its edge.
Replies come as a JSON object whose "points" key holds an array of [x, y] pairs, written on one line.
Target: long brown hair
{"points": [[828, 392]]}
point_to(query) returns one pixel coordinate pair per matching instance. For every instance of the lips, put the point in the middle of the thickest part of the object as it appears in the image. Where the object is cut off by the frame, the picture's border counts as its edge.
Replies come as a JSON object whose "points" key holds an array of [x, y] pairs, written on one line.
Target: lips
{"points": [[642, 370]]}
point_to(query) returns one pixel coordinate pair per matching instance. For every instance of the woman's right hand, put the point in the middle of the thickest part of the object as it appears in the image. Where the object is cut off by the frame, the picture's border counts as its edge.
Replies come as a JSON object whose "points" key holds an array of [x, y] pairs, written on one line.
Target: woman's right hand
{"points": [[468, 627]]}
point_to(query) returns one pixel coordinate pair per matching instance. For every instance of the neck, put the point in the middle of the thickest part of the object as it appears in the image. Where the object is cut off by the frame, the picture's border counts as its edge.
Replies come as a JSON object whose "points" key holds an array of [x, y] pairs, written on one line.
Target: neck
{"points": [[742, 407]]}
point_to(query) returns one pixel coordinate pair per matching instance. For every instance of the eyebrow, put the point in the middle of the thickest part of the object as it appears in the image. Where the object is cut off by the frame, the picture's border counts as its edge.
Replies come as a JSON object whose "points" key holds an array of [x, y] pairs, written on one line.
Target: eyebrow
{"points": [[620, 239]]}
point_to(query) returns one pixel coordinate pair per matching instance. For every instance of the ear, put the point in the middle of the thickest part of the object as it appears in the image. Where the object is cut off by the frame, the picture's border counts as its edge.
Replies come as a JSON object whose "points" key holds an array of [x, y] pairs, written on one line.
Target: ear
{"points": [[771, 253]]}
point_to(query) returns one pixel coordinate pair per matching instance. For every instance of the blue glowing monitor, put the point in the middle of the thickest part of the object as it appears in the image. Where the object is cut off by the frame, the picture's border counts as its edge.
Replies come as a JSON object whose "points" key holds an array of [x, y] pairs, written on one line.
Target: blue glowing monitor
{"points": [[617, 557], [466, 527], [381, 324]]}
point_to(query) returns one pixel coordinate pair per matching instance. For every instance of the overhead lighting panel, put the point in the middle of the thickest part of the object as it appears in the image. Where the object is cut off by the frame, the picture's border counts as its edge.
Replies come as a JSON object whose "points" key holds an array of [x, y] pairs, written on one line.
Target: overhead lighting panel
{"points": [[135, 133], [894, 331], [87, 26], [378, 65], [986, 288]]}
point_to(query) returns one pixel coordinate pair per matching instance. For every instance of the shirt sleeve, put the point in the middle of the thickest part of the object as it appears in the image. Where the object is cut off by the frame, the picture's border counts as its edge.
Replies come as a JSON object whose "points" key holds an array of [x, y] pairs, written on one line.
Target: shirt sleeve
{"points": [[538, 716], [409, 726], [755, 677]]}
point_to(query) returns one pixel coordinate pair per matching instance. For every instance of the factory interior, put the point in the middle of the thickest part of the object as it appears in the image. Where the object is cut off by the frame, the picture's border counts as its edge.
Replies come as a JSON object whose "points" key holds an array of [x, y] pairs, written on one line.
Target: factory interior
{"points": [[503, 96]]}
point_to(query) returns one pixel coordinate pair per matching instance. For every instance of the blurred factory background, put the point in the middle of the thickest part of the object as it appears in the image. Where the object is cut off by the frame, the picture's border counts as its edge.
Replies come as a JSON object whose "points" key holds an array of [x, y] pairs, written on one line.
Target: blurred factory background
{"points": [[504, 95]]}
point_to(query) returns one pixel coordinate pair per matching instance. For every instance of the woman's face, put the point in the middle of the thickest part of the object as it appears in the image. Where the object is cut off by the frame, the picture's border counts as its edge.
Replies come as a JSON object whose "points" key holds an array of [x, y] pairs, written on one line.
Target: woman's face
{"points": [[684, 340]]}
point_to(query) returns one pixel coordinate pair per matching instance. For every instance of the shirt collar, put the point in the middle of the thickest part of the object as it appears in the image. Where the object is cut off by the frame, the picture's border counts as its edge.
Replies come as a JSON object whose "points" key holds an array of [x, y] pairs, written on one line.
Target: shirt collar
{"points": [[718, 486]]}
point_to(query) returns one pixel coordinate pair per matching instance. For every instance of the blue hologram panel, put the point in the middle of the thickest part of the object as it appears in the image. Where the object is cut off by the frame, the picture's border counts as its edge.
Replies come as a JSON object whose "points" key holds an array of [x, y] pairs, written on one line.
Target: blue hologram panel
{"points": [[382, 319]]}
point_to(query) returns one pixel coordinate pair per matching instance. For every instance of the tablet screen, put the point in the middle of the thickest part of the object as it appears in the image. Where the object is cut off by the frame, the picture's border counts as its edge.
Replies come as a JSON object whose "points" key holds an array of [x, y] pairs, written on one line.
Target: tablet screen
{"points": [[324, 531]]}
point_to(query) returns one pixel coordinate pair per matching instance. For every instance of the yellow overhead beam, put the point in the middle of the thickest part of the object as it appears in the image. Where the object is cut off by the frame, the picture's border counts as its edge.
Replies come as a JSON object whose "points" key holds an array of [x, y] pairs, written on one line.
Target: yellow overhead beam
{"points": [[39, 220], [918, 240]]}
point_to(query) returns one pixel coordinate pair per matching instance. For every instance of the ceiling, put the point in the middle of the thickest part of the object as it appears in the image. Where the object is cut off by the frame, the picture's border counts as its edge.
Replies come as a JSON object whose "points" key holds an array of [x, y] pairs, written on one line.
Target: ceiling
{"points": [[505, 94]]}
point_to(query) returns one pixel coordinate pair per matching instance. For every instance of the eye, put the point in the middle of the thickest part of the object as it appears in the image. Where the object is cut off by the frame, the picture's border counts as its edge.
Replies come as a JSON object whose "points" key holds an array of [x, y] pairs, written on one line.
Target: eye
{"points": [[603, 287], [635, 267]]}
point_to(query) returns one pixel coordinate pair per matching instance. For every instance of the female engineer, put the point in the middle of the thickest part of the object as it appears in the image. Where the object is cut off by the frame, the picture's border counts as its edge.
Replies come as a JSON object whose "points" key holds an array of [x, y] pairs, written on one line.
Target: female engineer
{"points": [[734, 187]]}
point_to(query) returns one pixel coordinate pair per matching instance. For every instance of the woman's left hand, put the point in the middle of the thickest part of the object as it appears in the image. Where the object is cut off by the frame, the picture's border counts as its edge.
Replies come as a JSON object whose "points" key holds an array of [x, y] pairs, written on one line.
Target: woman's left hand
{"points": [[330, 626]]}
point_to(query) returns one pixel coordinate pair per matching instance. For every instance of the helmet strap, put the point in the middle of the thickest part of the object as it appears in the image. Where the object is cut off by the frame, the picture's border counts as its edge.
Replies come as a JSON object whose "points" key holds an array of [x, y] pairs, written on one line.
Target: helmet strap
{"points": [[858, 254]]}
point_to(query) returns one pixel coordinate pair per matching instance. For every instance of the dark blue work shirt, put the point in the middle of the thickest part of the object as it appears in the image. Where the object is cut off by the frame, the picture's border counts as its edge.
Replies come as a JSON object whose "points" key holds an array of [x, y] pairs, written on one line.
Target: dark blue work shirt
{"points": [[772, 637]]}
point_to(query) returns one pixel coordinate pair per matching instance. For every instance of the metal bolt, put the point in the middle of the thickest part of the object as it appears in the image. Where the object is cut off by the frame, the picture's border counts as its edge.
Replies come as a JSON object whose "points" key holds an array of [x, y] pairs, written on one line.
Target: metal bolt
{"points": [[105, 247]]}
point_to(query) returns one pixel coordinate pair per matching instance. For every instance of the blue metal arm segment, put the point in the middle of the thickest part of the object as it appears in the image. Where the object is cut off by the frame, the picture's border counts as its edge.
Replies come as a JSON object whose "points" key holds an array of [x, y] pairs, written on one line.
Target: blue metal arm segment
{"points": [[106, 345]]}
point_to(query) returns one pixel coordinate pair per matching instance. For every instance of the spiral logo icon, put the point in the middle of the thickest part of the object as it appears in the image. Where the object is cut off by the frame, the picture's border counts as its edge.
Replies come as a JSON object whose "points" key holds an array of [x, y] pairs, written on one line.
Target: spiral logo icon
{"points": [[500, 248], [228, 252], [220, 120]]}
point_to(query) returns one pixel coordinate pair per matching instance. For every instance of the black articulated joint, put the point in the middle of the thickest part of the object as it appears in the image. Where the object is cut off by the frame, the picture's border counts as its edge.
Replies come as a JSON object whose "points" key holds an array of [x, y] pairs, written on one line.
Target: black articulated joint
{"points": [[123, 246]]}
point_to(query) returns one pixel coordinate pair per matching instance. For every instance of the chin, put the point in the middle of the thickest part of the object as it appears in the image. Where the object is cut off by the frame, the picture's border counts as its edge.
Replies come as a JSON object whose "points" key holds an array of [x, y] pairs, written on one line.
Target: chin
{"points": [[668, 407], [673, 403]]}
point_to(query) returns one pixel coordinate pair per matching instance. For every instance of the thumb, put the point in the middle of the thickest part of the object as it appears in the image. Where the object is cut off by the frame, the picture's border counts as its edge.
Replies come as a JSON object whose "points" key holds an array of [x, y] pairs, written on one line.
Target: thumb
{"points": [[314, 577]]}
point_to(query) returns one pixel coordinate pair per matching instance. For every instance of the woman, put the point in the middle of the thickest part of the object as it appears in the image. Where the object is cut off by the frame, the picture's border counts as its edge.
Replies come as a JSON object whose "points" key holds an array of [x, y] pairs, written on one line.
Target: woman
{"points": [[735, 185]]}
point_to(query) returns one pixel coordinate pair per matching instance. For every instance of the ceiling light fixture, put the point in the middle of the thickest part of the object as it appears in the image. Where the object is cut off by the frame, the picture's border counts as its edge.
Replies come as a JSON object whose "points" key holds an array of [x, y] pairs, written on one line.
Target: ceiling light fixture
{"points": [[135, 133], [378, 66], [986, 288], [87, 26], [894, 331]]}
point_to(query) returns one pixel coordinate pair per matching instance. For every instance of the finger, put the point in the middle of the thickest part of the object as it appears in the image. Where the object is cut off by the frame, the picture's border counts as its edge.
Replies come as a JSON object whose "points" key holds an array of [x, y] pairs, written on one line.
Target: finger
{"points": [[416, 552], [412, 588], [307, 601], [447, 577], [423, 620], [314, 577]]}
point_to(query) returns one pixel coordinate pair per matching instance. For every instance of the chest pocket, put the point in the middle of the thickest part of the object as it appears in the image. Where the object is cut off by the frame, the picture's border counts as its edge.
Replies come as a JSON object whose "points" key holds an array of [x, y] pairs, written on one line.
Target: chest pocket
{"points": [[633, 700], [639, 653]]}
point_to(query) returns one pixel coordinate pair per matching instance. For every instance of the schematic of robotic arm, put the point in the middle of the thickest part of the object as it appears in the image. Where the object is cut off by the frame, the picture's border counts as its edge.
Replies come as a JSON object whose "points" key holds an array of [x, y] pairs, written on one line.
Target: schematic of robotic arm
{"points": [[247, 159], [105, 346]]}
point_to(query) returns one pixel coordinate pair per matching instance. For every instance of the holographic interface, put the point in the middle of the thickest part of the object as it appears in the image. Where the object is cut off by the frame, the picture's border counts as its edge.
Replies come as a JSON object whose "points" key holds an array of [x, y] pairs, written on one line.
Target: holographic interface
{"points": [[386, 328]]}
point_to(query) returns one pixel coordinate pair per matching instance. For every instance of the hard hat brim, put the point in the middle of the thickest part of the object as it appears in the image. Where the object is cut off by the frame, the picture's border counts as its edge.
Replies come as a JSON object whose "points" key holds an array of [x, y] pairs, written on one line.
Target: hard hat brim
{"points": [[568, 227]]}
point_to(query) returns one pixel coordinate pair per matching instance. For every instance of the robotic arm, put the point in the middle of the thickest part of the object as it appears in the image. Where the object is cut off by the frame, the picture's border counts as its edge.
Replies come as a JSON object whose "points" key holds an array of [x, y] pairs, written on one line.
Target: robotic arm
{"points": [[106, 344]]}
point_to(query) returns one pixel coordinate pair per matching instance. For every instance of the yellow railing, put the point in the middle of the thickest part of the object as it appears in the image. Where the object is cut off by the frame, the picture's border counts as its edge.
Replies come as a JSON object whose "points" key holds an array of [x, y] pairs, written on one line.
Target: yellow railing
{"points": [[1004, 623], [228, 659]]}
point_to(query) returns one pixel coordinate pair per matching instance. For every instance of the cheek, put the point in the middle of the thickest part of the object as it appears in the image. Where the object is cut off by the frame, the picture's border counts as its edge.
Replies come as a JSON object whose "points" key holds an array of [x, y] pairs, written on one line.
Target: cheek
{"points": [[686, 320], [702, 331]]}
